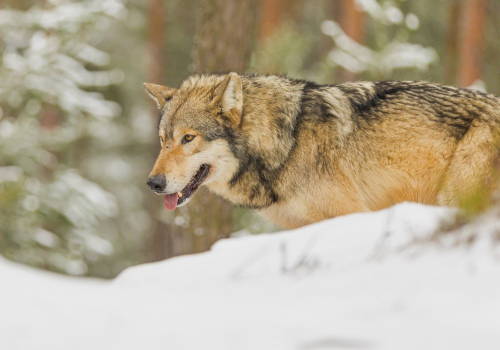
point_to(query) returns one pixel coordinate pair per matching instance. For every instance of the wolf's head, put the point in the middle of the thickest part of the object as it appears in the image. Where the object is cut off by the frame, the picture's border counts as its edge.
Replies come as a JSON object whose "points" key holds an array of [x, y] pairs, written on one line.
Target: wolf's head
{"points": [[196, 123]]}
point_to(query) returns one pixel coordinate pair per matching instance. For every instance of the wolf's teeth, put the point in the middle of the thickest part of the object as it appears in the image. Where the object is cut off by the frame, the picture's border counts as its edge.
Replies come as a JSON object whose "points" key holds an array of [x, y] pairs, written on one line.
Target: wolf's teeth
{"points": [[179, 194]]}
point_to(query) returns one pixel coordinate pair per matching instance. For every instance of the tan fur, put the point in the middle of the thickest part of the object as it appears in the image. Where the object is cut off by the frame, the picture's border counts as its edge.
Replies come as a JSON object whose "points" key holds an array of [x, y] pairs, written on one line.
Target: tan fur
{"points": [[300, 152]]}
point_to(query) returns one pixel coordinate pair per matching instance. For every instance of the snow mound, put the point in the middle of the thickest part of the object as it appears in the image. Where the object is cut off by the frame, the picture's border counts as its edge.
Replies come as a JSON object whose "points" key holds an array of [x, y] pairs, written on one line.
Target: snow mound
{"points": [[345, 283]]}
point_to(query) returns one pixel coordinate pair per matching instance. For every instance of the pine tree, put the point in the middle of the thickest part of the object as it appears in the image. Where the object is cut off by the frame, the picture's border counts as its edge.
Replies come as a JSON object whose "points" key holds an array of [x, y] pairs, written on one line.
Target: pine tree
{"points": [[51, 72]]}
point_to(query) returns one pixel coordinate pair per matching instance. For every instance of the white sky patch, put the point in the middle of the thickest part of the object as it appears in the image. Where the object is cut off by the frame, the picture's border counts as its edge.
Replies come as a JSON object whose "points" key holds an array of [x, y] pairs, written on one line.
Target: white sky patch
{"points": [[412, 21], [10, 173], [46, 238], [394, 15]]}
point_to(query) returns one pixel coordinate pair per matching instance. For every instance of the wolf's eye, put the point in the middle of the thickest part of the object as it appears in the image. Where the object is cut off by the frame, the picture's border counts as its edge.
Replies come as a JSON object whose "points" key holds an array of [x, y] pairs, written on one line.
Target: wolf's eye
{"points": [[187, 138]]}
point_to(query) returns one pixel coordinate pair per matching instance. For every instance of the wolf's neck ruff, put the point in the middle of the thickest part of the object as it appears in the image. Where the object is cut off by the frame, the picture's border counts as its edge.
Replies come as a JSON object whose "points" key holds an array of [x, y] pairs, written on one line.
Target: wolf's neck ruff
{"points": [[302, 152]]}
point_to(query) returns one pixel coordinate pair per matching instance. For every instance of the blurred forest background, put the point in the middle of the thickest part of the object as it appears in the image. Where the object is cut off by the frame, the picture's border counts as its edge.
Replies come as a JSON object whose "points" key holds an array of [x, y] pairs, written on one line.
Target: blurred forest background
{"points": [[78, 135]]}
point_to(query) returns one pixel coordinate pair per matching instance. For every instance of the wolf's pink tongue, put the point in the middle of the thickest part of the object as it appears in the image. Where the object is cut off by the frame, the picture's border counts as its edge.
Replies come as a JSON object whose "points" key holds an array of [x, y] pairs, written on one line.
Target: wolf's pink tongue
{"points": [[170, 201]]}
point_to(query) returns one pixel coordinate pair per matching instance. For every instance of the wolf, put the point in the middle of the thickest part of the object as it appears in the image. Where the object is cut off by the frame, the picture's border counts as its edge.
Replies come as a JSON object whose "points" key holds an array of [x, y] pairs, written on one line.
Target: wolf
{"points": [[299, 152]]}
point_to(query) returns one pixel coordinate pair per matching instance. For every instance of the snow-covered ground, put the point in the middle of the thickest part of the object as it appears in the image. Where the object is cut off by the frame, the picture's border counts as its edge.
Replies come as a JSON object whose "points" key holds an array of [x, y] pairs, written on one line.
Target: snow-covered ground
{"points": [[345, 283]]}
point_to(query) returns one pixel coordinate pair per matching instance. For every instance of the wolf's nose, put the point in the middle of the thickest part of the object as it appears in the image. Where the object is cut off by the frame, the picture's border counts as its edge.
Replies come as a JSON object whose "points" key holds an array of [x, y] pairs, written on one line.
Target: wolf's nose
{"points": [[157, 183]]}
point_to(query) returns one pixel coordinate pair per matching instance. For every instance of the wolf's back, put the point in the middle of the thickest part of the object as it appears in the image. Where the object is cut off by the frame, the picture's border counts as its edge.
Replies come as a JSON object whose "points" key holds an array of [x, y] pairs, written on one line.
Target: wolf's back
{"points": [[450, 108]]}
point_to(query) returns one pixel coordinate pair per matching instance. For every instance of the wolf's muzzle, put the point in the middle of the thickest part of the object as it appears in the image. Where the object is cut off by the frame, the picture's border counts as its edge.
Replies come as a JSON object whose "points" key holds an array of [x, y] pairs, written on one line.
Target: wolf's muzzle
{"points": [[157, 183]]}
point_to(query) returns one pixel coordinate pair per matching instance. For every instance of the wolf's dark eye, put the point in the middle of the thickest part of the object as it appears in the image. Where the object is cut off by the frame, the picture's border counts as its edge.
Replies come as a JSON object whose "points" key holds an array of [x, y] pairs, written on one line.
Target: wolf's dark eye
{"points": [[187, 138]]}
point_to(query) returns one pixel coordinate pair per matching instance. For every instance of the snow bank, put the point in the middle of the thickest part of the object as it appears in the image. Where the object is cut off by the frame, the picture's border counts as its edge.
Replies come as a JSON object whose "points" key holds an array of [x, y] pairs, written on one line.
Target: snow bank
{"points": [[345, 283]]}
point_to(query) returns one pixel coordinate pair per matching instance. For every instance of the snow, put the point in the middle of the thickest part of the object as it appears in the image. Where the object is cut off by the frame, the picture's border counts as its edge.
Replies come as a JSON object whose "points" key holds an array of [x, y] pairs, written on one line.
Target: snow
{"points": [[363, 281]]}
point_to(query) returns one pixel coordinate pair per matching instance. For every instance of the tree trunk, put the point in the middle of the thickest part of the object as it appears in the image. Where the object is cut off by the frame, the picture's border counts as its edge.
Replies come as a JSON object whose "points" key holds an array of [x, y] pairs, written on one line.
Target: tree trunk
{"points": [[21, 5], [472, 41], [353, 24], [156, 35], [223, 42], [224, 35], [157, 247], [452, 42], [271, 15]]}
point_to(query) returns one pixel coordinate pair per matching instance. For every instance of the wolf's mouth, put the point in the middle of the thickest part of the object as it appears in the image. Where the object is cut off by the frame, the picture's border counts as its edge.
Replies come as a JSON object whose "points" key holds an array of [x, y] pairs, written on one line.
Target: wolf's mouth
{"points": [[172, 200]]}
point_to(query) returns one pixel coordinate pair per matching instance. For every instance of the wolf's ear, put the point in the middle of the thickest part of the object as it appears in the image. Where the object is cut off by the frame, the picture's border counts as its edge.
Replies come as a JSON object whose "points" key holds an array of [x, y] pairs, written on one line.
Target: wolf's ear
{"points": [[229, 95], [160, 94]]}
